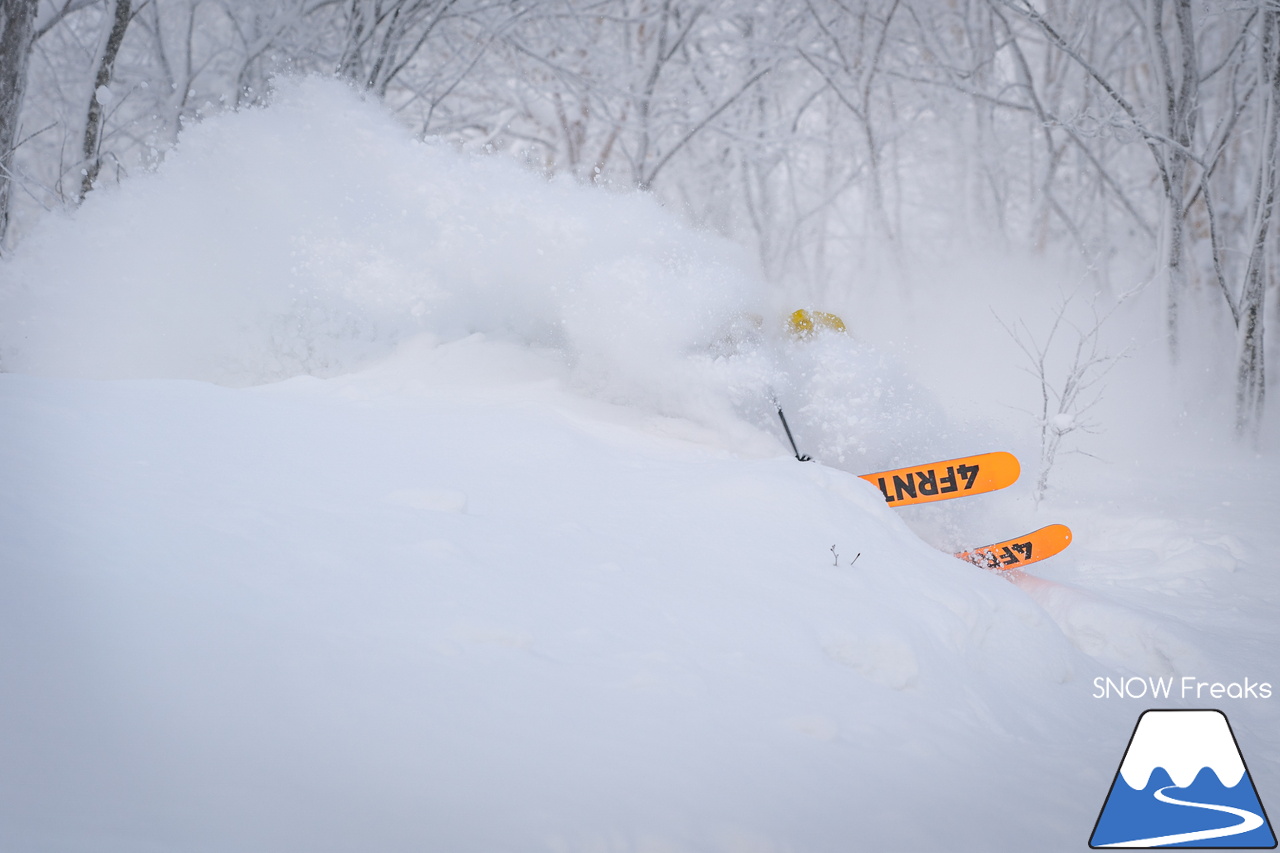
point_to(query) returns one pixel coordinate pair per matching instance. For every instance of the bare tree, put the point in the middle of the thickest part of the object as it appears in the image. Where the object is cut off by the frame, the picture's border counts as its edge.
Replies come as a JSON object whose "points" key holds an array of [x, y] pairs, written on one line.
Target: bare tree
{"points": [[1068, 393], [102, 96], [16, 30], [1251, 360], [1188, 161], [1169, 141], [381, 37], [857, 38], [620, 90]]}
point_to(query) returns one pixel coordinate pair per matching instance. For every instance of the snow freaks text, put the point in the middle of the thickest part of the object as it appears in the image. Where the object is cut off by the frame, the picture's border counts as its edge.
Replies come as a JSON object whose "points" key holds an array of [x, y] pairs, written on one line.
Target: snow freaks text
{"points": [[1186, 687]]}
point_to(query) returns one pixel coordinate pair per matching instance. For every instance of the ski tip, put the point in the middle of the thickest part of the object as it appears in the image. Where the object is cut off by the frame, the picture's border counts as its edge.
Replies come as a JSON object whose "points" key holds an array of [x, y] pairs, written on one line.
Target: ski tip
{"points": [[1000, 464], [1013, 553], [1053, 539], [1011, 464], [1059, 531]]}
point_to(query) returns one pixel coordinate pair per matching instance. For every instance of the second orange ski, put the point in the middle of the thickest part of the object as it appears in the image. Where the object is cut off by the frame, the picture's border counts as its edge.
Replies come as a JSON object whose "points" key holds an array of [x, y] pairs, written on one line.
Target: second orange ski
{"points": [[1033, 547]]}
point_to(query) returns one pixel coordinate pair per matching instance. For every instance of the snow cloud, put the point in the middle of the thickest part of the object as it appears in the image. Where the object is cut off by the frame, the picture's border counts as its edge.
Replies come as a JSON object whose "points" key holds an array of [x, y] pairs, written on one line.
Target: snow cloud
{"points": [[313, 235]]}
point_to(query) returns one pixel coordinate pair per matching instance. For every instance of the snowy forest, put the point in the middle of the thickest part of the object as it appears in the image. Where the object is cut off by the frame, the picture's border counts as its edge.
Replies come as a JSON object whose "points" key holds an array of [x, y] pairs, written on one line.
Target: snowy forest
{"points": [[1133, 144], [510, 425]]}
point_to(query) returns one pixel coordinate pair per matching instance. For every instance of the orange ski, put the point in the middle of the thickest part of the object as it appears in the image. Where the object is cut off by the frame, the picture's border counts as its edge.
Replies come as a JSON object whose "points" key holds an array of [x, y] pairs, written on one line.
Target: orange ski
{"points": [[951, 478], [1035, 546]]}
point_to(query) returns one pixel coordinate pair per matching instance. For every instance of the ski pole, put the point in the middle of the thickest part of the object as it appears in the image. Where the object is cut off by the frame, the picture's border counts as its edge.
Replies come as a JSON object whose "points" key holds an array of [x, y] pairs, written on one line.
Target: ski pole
{"points": [[790, 438]]}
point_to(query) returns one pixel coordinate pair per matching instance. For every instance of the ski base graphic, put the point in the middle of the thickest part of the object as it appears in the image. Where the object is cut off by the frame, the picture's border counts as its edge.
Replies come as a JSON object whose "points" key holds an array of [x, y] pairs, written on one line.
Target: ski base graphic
{"points": [[951, 478], [1031, 548]]}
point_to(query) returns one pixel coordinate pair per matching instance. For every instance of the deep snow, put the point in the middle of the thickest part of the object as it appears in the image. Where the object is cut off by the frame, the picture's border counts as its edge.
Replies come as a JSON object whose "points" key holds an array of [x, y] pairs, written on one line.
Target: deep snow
{"points": [[362, 495]]}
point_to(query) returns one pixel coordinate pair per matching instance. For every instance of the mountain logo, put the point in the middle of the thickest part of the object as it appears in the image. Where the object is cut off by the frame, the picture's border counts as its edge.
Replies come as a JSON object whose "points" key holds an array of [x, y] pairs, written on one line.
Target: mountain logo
{"points": [[1183, 783]]}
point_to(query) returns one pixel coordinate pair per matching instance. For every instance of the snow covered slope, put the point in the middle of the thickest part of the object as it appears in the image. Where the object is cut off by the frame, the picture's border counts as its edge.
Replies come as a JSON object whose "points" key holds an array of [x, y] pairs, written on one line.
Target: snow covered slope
{"points": [[488, 540], [415, 607]]}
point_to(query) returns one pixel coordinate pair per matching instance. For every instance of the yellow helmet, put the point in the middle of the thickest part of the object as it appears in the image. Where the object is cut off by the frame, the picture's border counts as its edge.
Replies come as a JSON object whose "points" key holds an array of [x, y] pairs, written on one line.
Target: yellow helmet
{"points": [[804, 324]]}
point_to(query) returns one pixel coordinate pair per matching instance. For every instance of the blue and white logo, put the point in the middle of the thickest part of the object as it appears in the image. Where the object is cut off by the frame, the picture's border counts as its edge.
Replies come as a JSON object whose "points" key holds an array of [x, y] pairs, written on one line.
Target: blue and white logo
{"points": [[1183, 783]]}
